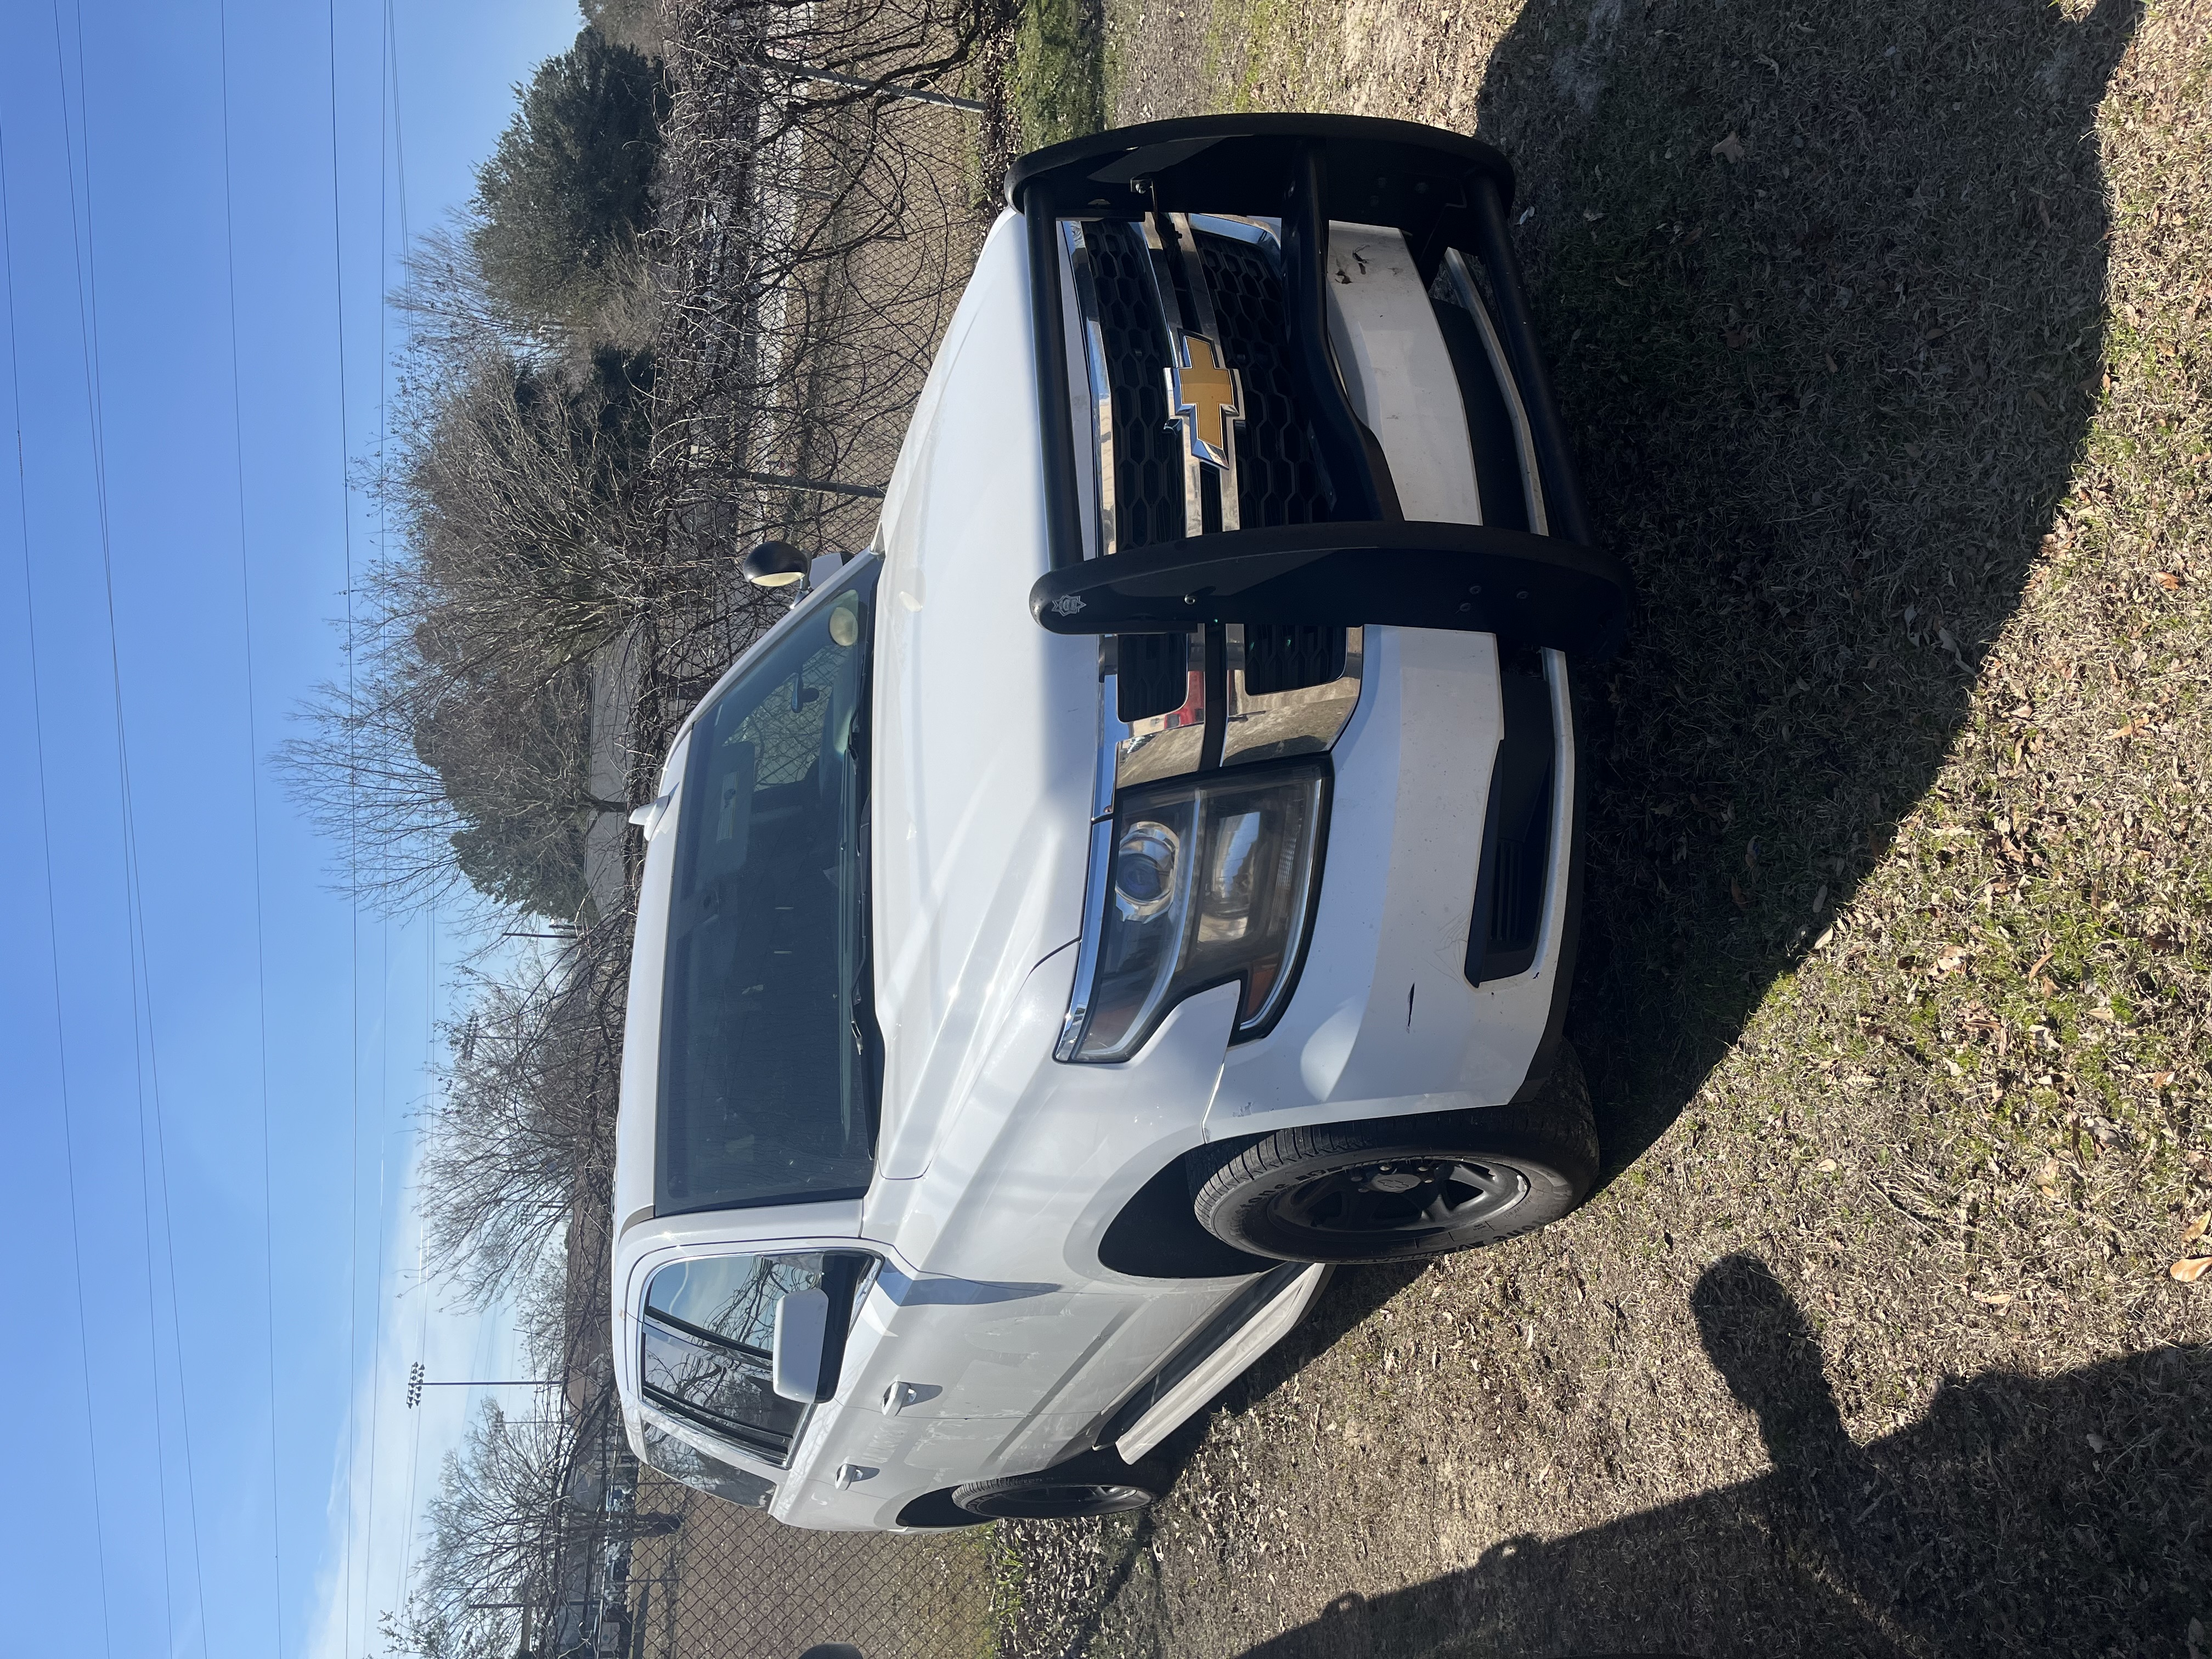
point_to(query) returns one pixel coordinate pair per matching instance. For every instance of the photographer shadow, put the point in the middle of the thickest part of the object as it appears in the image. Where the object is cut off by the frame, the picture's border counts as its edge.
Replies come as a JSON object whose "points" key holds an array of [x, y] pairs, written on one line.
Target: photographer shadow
{"points": [[1823, 294], [2058, 1515]]}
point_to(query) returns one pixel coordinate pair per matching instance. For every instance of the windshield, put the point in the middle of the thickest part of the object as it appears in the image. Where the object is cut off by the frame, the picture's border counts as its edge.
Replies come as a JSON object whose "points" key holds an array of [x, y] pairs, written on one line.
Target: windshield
{"points": [[768, 1077]]}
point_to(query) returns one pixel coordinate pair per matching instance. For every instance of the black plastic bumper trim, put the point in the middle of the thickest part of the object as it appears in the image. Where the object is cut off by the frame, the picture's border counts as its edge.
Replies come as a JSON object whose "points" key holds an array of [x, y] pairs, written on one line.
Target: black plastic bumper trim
{"points": [[1527, 590]]}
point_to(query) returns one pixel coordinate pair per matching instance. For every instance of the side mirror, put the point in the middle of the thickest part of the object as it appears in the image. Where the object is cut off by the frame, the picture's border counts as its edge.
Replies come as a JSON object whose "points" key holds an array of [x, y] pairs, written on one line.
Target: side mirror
{"points": [[774, 564], [804, 1368]]}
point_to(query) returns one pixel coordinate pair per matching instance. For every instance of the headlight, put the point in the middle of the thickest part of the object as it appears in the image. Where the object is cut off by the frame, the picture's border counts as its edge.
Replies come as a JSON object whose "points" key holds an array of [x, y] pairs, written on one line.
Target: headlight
{"points": [[1207, 880]]}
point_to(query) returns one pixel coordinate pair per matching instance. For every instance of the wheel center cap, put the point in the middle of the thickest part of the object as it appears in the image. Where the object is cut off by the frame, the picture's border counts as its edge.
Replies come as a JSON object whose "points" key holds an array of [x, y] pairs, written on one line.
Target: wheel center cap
{"points": [[1392, 1181]]}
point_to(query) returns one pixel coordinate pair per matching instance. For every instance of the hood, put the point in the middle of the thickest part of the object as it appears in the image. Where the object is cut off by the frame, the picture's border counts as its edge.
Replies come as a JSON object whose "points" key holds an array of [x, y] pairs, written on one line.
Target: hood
{"points": [[985, 725]]}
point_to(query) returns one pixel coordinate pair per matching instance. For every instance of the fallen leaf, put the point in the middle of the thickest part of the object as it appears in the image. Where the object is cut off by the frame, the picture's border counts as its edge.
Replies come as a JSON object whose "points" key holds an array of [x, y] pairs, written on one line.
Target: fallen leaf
{"points": [[2189, 1269], [2160, 1079], [1591, 216], [1738, 338], [1990, 1301], [1730, 148], [2195, 1229], [1826, 934], [2169, 580], [2047, 1176], [2097, 1441], [1735, 892], [1826, 1166]]}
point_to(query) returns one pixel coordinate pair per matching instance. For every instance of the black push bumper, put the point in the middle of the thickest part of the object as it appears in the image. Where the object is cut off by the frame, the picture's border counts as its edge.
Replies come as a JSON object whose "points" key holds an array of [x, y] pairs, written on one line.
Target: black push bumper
{"points": [[1527, 590], [1443, 190]]}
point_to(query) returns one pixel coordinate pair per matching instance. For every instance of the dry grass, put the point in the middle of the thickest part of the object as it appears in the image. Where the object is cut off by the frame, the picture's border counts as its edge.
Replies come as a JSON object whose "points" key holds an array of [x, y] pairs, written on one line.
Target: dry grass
{"points": [[1881, 329]]}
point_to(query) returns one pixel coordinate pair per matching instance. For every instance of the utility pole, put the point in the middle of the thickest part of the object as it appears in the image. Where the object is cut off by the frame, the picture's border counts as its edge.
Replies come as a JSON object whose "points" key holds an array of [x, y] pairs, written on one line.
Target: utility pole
{"points": [[415, 1383]]}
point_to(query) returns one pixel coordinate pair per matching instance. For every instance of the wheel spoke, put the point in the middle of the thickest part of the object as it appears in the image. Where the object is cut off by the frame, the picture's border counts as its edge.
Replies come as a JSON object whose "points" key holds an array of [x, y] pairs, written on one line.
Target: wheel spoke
{"points": [[1437, 1195]]}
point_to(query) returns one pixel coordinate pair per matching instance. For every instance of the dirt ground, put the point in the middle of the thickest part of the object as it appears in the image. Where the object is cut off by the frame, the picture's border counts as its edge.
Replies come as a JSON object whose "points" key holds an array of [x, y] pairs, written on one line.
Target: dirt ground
{"points": [[1880, 331]]}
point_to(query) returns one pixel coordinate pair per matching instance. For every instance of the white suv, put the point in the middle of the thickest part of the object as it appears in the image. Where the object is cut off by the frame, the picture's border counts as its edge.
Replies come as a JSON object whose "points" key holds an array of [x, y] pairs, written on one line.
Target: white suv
{"points": [[1148, 874]]}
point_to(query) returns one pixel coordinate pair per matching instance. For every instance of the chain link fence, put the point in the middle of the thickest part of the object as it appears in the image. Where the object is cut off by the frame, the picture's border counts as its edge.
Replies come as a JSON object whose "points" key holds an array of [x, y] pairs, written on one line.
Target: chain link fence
{"points": [[826, 181], [637, 1567], [825, 184], [731, 1584]]}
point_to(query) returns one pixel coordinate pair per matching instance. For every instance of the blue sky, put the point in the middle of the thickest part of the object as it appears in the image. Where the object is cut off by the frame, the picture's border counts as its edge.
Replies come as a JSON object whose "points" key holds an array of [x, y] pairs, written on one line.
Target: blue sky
{"points": [[132, 1184]]}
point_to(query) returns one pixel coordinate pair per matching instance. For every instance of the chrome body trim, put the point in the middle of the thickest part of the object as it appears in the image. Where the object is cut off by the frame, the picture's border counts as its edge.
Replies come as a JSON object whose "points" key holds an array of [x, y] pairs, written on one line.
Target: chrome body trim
{"points": [[1524, 443], [1276, 725], [1093, 347], [1198, 454], [1261, 232], [1170, 744], [1096, 875], [1203, 325], [1112, 733]]}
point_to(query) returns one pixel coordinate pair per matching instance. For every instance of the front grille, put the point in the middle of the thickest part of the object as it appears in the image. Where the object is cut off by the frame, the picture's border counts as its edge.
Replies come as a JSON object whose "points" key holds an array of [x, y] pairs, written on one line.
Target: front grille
{"points": [[1277, 480], [1152, 674], [1148, 505], [1286, 657], [1147, 453]]}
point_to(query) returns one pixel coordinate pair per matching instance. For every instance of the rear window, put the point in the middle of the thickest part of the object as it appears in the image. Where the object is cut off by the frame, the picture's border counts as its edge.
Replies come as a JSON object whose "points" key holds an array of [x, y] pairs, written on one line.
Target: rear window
{"points": [[768, 1086]]}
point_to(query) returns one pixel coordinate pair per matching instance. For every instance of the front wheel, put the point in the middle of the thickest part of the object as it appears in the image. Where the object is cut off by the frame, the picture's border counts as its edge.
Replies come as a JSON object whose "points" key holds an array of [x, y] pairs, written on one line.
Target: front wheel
{"points": [[1099, 1483], [1395, 1189]]}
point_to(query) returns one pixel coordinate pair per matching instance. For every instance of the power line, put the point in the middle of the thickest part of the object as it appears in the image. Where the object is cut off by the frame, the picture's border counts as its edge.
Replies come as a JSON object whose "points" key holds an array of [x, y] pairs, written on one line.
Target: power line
{"points": [[254, 806], [353, 838], [139, 962], [53, 945], [384, 953]]}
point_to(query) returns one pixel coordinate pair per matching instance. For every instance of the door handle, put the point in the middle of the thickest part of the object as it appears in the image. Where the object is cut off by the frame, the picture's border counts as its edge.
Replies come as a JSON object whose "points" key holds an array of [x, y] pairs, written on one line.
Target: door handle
{"points": [[900, 1395]]}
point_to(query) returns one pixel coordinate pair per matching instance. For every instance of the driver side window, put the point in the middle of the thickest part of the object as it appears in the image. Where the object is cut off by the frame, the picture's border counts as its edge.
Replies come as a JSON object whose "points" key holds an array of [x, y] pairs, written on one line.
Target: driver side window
{"points": [[710, 1333]]}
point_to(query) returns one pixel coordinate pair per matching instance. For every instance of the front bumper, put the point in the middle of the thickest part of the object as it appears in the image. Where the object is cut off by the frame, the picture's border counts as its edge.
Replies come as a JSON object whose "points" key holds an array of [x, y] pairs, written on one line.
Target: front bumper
{"points": [[1309, 452], [1386, 1019]]}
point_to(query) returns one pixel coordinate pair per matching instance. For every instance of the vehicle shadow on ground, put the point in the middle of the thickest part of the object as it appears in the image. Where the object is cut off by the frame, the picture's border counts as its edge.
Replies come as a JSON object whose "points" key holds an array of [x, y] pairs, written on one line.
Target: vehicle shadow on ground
{"points": [[1823, 290], [2021, 1515], [1351, 1296]]}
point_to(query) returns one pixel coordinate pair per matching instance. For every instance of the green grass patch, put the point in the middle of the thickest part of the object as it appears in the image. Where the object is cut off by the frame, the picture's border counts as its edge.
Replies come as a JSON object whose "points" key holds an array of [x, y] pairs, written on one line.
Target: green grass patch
{"points": [[1059, 79]]}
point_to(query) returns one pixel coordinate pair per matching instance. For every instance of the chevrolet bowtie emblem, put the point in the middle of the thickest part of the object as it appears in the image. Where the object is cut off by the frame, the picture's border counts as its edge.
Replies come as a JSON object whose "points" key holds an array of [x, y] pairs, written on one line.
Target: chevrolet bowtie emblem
{"points": [[1206, 395]]}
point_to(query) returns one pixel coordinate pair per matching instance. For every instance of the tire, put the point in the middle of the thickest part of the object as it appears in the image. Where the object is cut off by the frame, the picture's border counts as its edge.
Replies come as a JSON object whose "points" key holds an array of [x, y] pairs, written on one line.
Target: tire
{"points": [[1341, 1192], [1098, 1483]]}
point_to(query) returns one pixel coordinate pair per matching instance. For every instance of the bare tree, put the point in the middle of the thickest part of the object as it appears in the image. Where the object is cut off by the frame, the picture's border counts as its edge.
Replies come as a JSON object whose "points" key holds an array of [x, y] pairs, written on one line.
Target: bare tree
{"points": [[521, 1142], [461, 747], [490, 1569]]}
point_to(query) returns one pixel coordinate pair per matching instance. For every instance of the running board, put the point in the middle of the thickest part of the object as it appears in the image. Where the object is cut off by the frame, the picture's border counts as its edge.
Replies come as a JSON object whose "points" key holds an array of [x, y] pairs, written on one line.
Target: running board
{"points": [[1228, 1346]]}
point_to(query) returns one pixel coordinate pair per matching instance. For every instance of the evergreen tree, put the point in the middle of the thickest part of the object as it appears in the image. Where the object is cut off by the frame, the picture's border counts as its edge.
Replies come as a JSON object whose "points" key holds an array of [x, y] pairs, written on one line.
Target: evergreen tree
{"points": [[567, 193]]}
